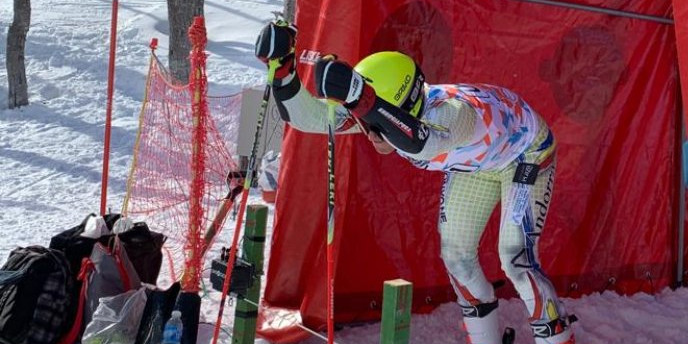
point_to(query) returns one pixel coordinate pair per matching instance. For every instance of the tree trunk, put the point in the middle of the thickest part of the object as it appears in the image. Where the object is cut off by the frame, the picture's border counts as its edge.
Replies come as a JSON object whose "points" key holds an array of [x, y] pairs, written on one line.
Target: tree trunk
{"points": [[180, 14], [289, 10], [16, 41]]}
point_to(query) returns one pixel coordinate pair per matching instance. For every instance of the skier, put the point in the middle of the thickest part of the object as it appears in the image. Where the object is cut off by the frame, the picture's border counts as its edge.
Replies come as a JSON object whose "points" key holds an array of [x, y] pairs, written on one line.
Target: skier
{"points": [[490, 143]]}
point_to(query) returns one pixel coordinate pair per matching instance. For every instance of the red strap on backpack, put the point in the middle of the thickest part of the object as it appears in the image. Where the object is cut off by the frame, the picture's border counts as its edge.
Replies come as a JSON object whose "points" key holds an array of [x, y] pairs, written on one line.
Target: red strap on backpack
{"points": [[71, 336], [126, 282]]}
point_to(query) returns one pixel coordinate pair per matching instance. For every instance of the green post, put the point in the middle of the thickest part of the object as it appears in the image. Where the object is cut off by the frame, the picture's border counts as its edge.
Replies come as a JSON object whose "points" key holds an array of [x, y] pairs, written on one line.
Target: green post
{"points": [[254, 242], [396, 312]]}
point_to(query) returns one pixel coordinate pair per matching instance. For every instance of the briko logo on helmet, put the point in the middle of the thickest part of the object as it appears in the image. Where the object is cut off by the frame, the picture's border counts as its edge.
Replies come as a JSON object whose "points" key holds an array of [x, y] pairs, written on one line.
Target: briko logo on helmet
{"points": [[407, 80]]}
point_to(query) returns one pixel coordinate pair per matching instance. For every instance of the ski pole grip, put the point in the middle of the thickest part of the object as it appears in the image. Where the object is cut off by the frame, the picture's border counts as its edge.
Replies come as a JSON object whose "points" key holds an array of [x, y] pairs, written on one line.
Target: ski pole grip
{"points": [[331, 113], [331, 106], [273, 64]]}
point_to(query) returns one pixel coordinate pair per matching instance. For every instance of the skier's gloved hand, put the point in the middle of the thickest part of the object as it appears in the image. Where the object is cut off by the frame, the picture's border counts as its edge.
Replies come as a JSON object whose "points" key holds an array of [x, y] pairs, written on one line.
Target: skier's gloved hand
{"points": [[277, 41], [336, 80]]}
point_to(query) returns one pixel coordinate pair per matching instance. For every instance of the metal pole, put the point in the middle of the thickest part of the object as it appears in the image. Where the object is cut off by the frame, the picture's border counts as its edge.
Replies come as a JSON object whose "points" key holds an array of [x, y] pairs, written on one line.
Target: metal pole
{"points": [[603, 10], [682, 208], [272, 66], [331, 127]]}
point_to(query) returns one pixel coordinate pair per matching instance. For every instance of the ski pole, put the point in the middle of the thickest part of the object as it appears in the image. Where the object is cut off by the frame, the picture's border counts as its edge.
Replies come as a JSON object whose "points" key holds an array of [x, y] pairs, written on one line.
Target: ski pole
{"points": [[273, 64], [225, 206], [331, 124]]}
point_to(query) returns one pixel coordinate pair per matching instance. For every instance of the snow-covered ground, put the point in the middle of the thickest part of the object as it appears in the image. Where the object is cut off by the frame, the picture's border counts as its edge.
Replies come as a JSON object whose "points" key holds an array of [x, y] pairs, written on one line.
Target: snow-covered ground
{"points": [[51, 151]]}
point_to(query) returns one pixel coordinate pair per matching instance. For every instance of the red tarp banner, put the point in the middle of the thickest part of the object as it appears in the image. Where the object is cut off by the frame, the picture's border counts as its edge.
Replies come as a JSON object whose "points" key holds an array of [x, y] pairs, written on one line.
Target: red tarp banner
{"points": [[608, 87]]}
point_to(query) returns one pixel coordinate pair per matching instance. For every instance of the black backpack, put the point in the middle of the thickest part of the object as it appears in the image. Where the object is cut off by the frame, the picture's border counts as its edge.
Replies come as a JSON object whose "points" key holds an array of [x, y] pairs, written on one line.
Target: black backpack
{"points": [[74, 246], [143, 247], [35, 289]]}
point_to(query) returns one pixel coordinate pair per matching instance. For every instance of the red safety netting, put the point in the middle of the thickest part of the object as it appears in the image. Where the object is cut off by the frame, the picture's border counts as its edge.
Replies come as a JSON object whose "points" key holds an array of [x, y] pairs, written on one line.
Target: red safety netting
{"points": [[607, 85], [198, 85], [159, 187]]}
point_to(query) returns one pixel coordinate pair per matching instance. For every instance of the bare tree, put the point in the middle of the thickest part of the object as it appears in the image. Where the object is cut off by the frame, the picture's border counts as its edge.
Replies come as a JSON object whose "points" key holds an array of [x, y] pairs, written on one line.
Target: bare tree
{"points": [[289, 10], [16, 41], [180, 14]]}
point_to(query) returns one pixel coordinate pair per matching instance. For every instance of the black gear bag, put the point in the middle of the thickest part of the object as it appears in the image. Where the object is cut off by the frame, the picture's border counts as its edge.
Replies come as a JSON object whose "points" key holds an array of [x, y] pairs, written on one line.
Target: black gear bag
{"points": [[35, 289], [142, 246]]}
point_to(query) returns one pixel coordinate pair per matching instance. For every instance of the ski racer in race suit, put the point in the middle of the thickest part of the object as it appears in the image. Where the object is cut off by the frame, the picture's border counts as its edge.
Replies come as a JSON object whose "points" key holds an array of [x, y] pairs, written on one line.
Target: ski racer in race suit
{"points": [[490, 143]]}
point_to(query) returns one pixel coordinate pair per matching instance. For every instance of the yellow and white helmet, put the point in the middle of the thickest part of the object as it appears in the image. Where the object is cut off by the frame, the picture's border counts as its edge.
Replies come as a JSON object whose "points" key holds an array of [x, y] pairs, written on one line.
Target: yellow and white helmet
{"points": [[396, 78]]}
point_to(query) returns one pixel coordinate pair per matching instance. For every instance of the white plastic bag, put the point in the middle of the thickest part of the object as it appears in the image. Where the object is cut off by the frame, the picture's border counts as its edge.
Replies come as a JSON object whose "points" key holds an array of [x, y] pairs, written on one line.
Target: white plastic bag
{"points": [[122, 225], [117, 319], [95, 227], [269, 170]]}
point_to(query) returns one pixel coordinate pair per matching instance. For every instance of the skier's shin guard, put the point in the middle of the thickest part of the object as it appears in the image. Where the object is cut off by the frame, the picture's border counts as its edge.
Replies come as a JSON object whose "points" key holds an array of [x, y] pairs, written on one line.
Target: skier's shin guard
{"points": [[482, 323]]}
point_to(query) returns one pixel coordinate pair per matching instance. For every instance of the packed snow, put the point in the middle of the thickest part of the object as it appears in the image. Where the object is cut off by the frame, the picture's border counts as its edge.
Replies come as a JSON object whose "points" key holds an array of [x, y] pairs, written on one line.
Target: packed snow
{"points": [[51, 152]]}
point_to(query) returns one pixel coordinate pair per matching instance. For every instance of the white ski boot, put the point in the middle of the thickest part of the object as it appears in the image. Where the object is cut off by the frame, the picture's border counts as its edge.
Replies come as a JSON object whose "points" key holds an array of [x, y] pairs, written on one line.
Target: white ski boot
{"points": [[557, 331], [482, 323]]}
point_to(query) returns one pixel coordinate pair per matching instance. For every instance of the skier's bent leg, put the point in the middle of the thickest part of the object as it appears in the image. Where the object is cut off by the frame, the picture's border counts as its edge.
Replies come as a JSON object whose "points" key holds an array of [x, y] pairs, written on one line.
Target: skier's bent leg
{"points": [[467, 202], [548, 317], [476, 298], [518, 245]]}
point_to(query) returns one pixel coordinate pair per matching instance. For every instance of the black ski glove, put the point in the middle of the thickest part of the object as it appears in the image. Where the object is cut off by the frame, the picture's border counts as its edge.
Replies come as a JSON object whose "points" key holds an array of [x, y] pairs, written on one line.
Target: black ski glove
{"points": [[277, 41], [336, 80]]}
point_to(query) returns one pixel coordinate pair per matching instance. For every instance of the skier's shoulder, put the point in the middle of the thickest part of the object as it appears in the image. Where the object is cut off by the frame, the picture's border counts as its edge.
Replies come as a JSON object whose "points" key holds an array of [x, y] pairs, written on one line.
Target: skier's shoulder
{"points": [[468, 91], [445, 99]]}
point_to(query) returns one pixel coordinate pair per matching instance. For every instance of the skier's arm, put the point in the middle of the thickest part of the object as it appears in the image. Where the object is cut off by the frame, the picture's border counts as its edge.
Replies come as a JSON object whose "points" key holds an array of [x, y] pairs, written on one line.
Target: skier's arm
{"points": [[337, 80], [308, 114], [296, 106], [452, 125]]}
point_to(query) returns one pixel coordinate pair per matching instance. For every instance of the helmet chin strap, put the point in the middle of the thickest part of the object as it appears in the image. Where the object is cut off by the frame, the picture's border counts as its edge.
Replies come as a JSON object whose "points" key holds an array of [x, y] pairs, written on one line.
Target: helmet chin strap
{"points": [[364, 128]]}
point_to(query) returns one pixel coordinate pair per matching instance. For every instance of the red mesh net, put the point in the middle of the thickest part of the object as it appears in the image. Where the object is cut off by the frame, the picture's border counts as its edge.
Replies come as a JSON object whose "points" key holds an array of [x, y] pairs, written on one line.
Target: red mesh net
{"points": [[163, 186]]}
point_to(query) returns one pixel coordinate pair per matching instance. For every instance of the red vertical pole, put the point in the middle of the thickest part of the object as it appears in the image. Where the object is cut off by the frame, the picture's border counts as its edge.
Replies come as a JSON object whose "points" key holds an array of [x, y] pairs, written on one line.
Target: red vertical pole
{"points": [[108, 111]]}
